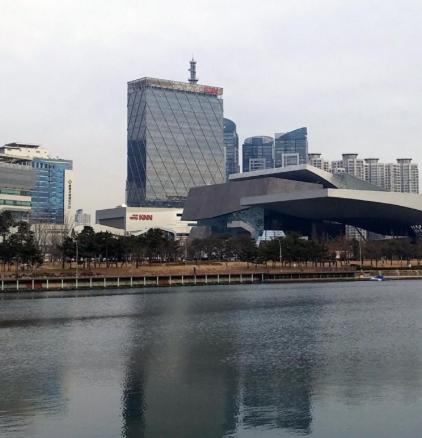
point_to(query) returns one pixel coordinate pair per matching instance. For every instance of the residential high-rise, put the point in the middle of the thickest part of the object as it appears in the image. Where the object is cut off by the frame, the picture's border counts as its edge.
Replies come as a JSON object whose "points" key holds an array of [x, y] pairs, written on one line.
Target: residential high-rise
{"points": [[174, 139], [374, 172], [402, 176], [291, 148], [351, 164], [231, 143], [51, 193], [257, 153], [316, 160], [409, 175]]}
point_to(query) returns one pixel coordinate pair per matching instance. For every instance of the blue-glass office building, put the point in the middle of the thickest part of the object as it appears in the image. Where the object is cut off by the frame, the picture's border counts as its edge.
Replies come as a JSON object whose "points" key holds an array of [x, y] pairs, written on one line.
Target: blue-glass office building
{"points": [[257, 153], [174, 140], [51, 194], [231, 143], [291, 148]]}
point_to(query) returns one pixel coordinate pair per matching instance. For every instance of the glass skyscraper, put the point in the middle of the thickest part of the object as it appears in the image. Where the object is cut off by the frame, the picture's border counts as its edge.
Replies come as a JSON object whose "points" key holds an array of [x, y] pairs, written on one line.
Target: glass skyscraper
{"points": [[291, 148], [231, 142], [257, 153], [51, 187], [174, 140], [52, 192]]}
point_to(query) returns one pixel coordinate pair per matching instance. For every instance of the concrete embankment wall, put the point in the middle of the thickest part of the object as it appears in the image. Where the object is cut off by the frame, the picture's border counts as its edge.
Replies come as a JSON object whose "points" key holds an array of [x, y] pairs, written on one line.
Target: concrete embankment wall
{"points": [[69, 283], [99, 282]]}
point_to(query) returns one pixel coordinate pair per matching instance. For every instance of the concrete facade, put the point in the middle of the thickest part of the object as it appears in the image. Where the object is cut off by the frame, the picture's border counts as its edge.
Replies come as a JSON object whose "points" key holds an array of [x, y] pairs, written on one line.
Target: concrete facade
{"points": [[138, 220], [304, 199]]}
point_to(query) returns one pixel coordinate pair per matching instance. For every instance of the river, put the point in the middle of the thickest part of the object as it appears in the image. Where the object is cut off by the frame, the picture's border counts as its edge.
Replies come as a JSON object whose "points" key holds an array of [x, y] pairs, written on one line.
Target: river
{"points": [[279, 360]]}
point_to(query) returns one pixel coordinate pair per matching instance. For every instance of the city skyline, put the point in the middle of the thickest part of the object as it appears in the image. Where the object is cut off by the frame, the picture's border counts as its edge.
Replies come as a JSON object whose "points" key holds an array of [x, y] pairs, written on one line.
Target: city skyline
{"points": [[344, 87]]}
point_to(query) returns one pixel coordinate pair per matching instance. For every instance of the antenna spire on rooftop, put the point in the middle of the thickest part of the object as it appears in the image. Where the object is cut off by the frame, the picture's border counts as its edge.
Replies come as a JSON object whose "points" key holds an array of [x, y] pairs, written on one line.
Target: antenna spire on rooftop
{"points": [[193, 79]]}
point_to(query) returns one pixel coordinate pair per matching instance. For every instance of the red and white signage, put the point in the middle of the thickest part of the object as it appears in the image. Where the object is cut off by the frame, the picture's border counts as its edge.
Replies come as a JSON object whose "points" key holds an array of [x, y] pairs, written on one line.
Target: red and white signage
{"points": [[140, 217]]}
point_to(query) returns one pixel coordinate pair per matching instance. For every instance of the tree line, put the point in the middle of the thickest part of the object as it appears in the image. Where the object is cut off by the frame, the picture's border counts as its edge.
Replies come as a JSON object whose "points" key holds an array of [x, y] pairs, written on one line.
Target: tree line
{"points": [[96, 249], [19, 247], [17, 243]]}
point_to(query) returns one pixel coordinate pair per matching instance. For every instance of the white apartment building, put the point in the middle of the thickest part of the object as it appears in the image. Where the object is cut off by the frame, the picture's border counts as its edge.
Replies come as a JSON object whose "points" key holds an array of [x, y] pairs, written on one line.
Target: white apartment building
{"points": [[402, 176], [316, 160], [351, 164]]}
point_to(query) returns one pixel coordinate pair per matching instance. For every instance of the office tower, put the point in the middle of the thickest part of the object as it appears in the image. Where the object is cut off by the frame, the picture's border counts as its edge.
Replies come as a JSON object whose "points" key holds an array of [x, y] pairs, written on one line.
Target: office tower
{"points": [[51, 193], [231, 143], [257, 153], [316, 160], [291, 148], [82, 218], [16, 183], [174, 139]]}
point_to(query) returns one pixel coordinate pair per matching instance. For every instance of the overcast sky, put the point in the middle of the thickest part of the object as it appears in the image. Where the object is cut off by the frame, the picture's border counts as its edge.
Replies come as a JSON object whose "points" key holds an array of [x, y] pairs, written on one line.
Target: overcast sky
{"points": [[351, 71]]}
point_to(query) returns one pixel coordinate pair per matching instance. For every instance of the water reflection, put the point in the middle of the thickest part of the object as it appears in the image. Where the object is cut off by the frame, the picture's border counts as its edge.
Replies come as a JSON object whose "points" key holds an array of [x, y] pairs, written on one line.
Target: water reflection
{"points": [[267, 362], [31, 379], [191, 381]]}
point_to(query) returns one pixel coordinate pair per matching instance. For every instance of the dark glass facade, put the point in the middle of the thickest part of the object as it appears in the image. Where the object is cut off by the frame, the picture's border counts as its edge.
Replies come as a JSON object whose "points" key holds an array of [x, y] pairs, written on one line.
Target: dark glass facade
{"points": [[291, 148], [231, 143], [257, 153], [174, 140], [16, 183], [49, 192]]}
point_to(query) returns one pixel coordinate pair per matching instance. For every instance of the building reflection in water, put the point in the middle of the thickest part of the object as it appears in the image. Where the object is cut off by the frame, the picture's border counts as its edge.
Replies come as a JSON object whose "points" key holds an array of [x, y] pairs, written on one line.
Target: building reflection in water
{"points": [[184, 380]]}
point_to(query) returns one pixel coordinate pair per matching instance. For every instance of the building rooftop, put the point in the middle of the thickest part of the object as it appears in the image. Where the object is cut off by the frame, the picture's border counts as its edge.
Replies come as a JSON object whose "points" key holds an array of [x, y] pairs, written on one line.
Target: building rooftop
{"points": [[174, 85], [308, 173]]}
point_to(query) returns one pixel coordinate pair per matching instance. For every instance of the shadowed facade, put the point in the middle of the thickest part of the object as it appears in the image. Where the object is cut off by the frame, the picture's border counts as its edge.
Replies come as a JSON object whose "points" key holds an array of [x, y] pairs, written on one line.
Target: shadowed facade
{"points": [[304, 199]]}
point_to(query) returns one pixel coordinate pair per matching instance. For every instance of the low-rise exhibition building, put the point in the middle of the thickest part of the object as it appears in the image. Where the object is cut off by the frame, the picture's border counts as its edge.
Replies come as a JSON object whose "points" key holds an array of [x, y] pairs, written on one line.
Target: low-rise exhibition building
{"points": [[138, 220], [304, 199]]}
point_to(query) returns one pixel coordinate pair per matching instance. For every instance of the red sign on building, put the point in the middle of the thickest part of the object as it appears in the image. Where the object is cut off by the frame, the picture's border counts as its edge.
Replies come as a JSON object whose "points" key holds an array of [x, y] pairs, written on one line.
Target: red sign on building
{"points": [[140, 217], [210, 90]]}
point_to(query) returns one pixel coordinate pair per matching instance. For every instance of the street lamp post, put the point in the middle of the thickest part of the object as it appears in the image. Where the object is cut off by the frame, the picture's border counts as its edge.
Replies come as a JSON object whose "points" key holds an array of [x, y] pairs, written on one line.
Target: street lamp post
{"points": [[280, 253], [77, 259]]}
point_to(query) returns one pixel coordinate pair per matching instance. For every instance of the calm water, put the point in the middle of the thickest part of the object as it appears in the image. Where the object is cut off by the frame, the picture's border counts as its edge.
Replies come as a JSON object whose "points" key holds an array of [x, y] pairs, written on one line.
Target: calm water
{"points": [[327, 360]]}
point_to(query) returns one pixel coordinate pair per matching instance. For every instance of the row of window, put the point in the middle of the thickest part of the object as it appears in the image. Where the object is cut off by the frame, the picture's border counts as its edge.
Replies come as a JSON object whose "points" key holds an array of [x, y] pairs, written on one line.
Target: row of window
{"points": [[16, 203], [6, 191]]}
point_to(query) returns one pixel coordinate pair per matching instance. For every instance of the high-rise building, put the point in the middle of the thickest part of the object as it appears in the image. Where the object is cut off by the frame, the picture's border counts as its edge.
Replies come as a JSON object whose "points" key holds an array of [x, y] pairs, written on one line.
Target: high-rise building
{"points": [[291, 148], [351, 164], [374, 172], [16, 183], [402, 176], [174, 139], [257, 153], [316, 160], [51, 193], [409, 175], [82, 218], [231, 143]]}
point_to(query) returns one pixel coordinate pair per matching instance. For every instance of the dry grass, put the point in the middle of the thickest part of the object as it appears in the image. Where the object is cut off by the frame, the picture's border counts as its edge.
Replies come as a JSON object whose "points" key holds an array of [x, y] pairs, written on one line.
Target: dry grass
{"points": [[188, 268]]}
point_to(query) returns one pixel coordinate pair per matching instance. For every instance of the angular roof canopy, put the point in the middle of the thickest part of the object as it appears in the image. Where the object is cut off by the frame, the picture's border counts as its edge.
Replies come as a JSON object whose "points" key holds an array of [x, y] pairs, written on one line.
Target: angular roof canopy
{"points": [[311, 194], [308, 173]]}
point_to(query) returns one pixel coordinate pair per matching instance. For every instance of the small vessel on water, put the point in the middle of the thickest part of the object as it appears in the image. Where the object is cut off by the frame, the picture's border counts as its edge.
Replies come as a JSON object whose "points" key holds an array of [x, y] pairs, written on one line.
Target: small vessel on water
{"points": [[378, 277]]}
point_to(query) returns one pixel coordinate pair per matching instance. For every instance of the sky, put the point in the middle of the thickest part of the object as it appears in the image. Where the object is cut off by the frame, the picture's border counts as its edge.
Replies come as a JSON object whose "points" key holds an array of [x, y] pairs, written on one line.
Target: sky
{"points": [[350, 71]]}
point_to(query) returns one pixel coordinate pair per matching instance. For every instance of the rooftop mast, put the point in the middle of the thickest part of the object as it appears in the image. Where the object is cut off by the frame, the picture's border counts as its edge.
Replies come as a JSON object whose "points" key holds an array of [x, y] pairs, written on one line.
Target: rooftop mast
{"points": [[193, 79]]}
